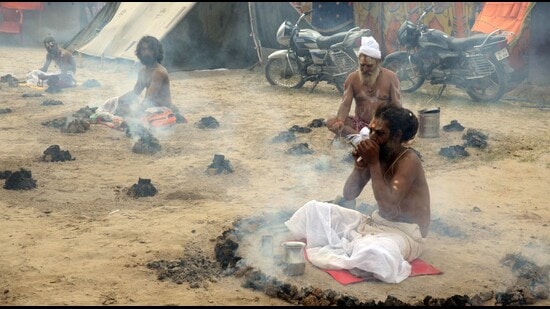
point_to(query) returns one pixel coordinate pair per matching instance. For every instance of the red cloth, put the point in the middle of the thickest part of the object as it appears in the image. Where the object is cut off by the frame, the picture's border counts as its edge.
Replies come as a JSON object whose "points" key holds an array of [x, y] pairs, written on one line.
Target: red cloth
{"points": [[343, 276], [12, 20], [23, 5], [419, 267]]}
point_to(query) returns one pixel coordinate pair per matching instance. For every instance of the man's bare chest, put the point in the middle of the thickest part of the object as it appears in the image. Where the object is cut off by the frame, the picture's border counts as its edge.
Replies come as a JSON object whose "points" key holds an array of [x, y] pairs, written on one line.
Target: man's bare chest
{"points": [[371, 94], [146, 79]]}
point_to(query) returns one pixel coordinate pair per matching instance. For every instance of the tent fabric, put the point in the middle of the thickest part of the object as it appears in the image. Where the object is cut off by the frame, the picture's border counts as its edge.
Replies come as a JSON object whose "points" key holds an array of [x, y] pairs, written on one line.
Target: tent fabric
{"points": [[195, 35], [508, 16], [99, 21], [129, 24], [332, 17], [512, 17], [385, 18]]}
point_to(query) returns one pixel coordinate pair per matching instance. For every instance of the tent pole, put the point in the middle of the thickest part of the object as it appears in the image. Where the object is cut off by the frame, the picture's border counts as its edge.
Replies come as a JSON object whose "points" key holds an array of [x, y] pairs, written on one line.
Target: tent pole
{"points": [[253, 27]]}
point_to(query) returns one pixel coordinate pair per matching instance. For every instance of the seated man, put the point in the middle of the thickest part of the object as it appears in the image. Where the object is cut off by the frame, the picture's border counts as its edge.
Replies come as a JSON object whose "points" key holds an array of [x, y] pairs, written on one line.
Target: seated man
{"points": [[153, 77], [370, 86], [382, 244], [64, 61]]}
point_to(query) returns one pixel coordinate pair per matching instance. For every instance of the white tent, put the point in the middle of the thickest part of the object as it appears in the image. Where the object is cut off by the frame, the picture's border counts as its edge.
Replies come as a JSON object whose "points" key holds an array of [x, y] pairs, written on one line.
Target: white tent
{"points": [[120, 36], [195, 35]]}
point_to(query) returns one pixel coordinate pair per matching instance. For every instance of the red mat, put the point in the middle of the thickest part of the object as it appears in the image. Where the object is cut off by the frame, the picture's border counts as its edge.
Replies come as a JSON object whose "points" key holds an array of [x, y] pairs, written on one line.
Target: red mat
{"points": [[419, 268]]}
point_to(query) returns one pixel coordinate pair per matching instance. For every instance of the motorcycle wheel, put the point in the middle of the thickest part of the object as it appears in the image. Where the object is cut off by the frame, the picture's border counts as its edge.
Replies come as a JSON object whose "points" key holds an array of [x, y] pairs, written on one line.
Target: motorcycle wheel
{"points": [[283, 72], [409, 73], [491, 88]]}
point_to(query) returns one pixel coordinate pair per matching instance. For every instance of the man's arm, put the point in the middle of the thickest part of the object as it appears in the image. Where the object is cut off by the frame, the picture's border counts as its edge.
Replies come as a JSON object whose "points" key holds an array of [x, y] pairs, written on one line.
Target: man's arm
{"points": [[347, 99], [345, 106], [46, 65], [134, 93], [71, 62], [356, 182], [128, 96]]}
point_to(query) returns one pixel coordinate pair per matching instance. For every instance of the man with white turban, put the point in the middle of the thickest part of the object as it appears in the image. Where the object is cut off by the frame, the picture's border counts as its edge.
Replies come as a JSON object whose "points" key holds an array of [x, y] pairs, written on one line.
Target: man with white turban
{"points": [[371, 86]]}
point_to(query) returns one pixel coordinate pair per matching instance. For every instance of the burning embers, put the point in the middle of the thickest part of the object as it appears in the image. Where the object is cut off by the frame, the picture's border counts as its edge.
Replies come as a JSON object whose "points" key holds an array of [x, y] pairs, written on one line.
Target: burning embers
{"points": [[19, 180], [143, 188], [208, 123], [147, 144], [219, 165], [22, 179], [473, 138], [290, 136], [300, 149], [10, 80], [54, 154], [195, 268], [78, 124]]}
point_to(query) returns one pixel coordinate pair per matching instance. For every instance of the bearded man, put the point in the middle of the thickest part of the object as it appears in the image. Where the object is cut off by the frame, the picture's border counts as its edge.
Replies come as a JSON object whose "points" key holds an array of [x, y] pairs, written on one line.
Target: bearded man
{"points": [[371, 86], [382, 244], [153, 78]]}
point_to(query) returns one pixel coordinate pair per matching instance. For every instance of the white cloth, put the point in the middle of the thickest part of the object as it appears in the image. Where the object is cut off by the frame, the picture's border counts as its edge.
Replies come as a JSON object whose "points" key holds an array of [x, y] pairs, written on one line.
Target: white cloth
{"points": [[363, 135], [109, 106], [33, 78], [370, 47], [342, 238]]}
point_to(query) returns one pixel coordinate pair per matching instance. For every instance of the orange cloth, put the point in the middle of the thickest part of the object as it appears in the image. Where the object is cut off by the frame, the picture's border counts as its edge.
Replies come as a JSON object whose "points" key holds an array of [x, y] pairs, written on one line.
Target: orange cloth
{"points": [[23, 5], [508, 16], [419, 267]]}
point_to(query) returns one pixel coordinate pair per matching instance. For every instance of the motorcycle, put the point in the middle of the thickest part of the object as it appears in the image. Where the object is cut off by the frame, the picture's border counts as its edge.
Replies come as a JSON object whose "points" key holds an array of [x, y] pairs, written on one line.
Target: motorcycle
{"points": [[313, 57], [476, 64]]}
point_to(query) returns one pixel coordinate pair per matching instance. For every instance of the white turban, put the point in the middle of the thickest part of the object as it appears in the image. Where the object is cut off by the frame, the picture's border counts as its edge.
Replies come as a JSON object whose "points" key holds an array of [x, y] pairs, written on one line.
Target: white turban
{"points": [[370, 47]]}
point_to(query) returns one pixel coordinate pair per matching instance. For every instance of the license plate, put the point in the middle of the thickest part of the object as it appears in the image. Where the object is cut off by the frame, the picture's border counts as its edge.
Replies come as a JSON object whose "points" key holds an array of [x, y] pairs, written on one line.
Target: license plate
{"points": [[501, 54]]}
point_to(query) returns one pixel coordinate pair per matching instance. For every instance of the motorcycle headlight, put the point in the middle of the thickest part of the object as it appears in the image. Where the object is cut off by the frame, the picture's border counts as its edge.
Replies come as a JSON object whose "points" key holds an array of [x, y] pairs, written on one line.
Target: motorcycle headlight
{"points": [[283, 33], [407, 34]]}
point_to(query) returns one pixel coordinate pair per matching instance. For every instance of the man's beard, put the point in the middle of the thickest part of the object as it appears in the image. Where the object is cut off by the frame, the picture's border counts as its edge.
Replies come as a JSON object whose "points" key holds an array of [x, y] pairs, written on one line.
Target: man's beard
{"points": [[386, 150], [147, 60], [53, 52], [368, 79]]}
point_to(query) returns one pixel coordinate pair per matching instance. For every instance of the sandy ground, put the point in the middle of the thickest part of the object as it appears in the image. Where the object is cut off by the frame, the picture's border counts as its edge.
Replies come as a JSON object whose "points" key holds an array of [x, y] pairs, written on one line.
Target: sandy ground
{"points": [[79, 239]]}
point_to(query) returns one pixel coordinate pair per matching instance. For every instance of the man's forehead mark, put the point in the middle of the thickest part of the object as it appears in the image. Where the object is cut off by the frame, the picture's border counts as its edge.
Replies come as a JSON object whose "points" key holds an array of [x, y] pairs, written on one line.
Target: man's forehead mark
{"points": [[376, 125]]}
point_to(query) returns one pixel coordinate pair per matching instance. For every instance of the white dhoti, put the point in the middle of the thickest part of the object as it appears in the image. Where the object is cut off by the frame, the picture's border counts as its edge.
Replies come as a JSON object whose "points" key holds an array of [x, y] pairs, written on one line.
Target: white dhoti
{"points": [[342, 238]]}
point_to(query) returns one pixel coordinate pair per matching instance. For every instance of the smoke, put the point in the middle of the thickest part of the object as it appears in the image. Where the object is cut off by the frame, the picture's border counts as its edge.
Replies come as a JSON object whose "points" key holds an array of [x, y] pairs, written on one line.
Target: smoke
{"points": [[300, 178], [263, 249]]}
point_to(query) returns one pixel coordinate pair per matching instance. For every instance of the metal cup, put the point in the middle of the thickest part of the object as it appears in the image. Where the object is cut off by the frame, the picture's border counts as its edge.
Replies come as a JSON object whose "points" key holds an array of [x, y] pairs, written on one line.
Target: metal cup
{"points": [[294, 261]]}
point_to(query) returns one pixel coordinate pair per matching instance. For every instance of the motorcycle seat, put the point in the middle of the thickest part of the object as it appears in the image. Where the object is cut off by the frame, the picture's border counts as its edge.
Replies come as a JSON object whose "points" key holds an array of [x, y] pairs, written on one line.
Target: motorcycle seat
{"points": [[325, 42], [460, 44]]}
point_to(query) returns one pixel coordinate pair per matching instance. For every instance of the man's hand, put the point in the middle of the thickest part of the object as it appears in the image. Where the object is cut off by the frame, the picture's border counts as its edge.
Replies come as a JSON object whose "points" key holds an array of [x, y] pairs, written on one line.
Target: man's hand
{"points": [[369, 151], [359, 162], [338, 126]]}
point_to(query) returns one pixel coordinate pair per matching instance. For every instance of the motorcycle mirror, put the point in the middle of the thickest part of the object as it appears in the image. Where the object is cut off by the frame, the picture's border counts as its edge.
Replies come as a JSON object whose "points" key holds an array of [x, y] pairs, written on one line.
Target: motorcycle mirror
{"points": [[430, 7], [413, 12], [306, 13]]}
